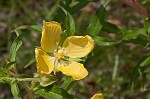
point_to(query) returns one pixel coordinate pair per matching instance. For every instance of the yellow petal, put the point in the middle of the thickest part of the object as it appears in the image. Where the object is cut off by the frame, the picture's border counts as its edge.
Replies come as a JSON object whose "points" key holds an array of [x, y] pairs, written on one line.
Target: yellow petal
{"points": [[98, 96], [45, 63], [74, 69], [50, 36], [78, 46]]}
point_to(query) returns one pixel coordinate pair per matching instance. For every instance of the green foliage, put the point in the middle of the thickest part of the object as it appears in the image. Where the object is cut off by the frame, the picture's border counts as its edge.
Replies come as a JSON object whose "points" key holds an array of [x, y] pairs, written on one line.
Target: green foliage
{"points": [[119, 62], [101, 14], [70, 25], [141, 69], [53, 92], [94, 26], [46, 80], [98, 23], [111, 28], [36, 28], [145, 1], [4, 80], [3, 72], [14, 48], [15, 90], [68, 83], [105, 41]]}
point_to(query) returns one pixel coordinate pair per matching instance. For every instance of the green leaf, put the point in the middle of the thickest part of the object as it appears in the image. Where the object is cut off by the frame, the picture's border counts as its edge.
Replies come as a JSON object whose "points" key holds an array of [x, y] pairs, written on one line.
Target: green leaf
{"points": [[36, 28], [14, 48], [101, 14], [139, 70], [30, 62], [106, 3], [78, 6], [104, 41], [106, 26], [145, 62], [46, 80], [145, 1], [112, 28], [139, 40], [147, 27], [15, 90], [70, 25], [53, 92], [3, 72], [71, 6], [94, 26], [133, 34], [5, 79], [68, 83]]}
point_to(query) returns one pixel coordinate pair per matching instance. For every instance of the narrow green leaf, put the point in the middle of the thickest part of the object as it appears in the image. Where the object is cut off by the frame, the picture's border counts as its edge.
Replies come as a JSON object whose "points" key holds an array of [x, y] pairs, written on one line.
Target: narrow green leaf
{"points": [[101, 14], [106, 26], [139, 70], [106, 3], [30, 62], [70, 25], [112, 28], [53, 92], [68, 83], [145, 62], [147, 27], [105, 41], [78, 6], [139, 40], [15, 90], [71, 7], [14, 48], [94, 26], [36, 28], [133, 34]]}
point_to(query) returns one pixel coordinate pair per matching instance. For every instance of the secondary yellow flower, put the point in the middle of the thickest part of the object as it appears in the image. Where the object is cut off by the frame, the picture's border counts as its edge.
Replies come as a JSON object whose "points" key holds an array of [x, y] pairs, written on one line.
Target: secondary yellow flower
{"points": [[98, 96], [52, 57]]}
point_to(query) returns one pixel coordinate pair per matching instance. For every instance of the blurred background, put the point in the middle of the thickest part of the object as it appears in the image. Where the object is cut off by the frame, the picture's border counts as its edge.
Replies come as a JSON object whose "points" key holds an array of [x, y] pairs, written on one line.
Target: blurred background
{"points": [[110, 67]]}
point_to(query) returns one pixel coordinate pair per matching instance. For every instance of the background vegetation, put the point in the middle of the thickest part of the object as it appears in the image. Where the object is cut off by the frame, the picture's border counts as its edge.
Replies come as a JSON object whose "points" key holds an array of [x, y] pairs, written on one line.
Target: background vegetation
{"points": [[119, 64]]}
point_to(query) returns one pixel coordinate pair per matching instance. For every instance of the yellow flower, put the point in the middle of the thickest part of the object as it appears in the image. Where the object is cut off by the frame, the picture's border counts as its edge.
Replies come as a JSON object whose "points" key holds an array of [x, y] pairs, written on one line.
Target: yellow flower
{"points": [[52, 57], [98, 96]]}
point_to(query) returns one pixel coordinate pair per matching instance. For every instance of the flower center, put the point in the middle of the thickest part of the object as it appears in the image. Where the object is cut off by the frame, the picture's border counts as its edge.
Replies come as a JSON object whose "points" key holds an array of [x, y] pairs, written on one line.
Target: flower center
{"points": [[59, 54]]}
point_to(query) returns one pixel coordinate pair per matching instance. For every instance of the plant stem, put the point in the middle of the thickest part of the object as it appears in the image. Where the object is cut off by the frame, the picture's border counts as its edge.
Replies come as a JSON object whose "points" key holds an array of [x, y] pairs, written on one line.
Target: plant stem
{"points": [[30, 92], [28, 79]]}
